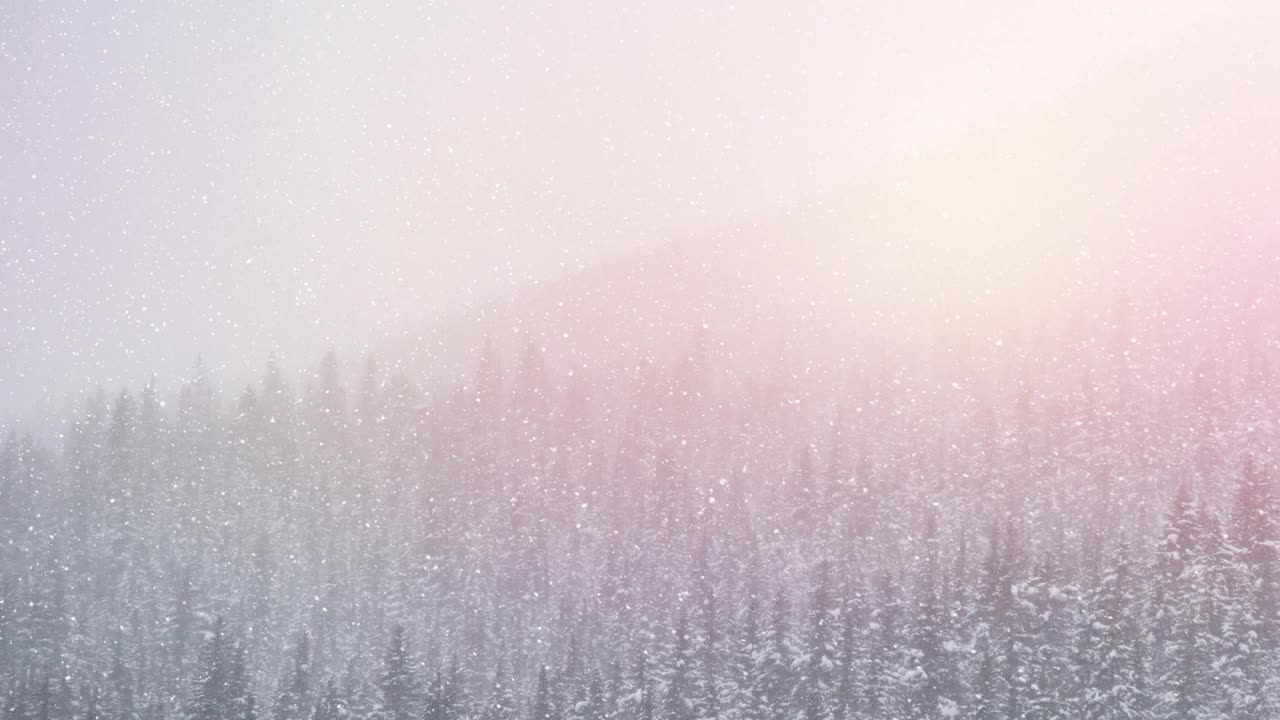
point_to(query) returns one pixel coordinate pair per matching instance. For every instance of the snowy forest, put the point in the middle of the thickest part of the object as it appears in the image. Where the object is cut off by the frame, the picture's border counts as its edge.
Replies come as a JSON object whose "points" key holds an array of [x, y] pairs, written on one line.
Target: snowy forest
{"points": [[658, 538], [661, 360]]}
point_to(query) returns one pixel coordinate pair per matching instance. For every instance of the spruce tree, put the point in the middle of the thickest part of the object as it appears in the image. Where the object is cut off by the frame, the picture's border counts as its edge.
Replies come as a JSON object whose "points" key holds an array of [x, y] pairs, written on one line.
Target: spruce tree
{"points": [[294, 702], [399, 683]]}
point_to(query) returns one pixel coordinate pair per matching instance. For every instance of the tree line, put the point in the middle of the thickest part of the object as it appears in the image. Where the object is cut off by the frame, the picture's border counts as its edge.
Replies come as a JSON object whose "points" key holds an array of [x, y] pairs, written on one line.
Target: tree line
{"points": [[656, 538]]}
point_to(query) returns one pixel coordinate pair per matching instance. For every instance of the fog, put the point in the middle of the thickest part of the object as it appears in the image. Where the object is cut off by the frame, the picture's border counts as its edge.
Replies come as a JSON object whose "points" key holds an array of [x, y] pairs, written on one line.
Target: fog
{"points": [[180, 179]]}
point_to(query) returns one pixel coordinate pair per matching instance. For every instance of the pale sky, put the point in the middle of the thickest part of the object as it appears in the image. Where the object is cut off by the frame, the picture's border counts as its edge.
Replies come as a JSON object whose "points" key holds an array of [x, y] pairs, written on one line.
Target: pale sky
{"points": [[236, 178]]}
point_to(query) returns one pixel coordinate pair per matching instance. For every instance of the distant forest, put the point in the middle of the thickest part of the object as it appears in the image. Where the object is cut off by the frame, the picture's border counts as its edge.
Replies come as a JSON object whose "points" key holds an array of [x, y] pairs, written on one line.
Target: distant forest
{"points": [[657, 539]]}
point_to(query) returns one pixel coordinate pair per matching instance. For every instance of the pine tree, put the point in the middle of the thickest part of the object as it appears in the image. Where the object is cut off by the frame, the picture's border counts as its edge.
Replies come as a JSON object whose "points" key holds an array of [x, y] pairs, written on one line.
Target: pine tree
{"points": [[543, 708], [923, 691], [883, 647], [747, 669], [845, 704], [329, 407], [1185, 609], [776, 679], [677, 705], [501, 703], [819, 661], [591, 703], [121, 703], [294, 702], [641, 697], [709, 664], [1254, 536], [333, 704], [1109, 639], [444, 701], [222, 689], [399, 683]]}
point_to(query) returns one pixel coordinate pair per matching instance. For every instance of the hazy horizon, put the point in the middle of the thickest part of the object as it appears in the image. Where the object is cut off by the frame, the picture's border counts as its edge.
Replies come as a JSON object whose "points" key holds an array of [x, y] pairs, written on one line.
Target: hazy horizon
{"points": [[362, 174]]}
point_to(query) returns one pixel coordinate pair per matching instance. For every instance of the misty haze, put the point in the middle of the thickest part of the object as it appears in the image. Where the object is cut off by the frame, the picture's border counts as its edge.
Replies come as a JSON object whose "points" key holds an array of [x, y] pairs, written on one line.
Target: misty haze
{"points": [[469, 360]]}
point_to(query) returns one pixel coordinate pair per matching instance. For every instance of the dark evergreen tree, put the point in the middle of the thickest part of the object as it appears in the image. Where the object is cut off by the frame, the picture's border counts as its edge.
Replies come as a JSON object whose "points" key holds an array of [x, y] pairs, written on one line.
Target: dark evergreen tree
{"points": [[1110, 656], [501, 702], [776, 679], [222, 689], [294, 701], [543, 708], [332, 705], [820, 655], [677, 705], [399, 682]]}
